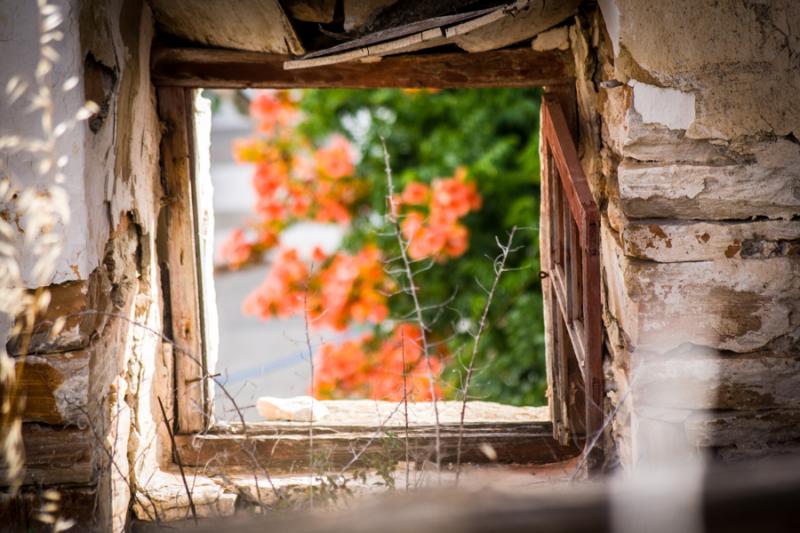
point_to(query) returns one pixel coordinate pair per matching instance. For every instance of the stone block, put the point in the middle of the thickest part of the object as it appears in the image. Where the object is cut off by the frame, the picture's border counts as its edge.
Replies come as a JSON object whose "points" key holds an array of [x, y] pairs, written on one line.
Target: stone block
{"points": [[555, 39], [164, 498], [744, 429], [74, 301], [732, 304], [769, 186], [56, 387], [668, 242], [658, 143], [745, 80], [718, 381]]}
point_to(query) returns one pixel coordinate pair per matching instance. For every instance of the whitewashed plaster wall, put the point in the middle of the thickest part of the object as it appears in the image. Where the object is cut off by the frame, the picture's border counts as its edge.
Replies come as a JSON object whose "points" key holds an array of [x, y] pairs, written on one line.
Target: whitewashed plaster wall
{"points": [[19, 48], [699, 172]]}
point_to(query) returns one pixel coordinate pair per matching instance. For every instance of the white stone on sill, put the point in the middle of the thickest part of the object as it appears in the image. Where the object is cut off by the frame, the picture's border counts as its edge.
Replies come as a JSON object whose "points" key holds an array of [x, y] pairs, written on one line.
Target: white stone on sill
{"points": [[296, 409]]}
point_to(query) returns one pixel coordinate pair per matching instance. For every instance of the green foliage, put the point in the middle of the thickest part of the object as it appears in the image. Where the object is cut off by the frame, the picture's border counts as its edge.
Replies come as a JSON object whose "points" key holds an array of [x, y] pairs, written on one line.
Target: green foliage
{"points": [[494, 133]]}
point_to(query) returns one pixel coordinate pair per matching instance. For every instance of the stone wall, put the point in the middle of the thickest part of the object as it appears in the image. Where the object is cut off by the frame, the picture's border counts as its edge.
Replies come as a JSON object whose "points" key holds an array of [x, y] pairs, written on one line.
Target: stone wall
{"points": [[690, 138], [91, 421]]}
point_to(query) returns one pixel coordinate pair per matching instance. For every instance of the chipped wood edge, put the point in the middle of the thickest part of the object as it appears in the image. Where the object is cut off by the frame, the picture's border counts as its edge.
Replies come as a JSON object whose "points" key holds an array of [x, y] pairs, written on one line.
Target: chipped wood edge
{"points": [[418, 41]]}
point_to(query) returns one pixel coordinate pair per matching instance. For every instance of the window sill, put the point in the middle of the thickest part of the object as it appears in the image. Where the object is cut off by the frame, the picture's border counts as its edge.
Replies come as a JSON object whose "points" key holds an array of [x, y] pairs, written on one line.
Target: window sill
{"points": [[360, 432]]}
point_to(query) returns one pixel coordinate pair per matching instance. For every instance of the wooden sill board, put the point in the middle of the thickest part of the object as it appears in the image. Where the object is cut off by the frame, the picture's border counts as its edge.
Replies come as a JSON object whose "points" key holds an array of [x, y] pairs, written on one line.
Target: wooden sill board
{"points": [[368, 431]]}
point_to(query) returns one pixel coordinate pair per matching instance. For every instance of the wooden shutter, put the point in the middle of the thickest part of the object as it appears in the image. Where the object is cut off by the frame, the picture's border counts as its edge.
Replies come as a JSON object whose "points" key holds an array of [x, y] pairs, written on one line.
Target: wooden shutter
{"points": [[570, 238]]}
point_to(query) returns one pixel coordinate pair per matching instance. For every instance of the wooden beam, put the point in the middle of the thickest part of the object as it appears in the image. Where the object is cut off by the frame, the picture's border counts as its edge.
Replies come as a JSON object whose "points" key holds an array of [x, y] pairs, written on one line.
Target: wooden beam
{"points": [[216, 68], [178, 259], [259, 25], [286, 449], [55, 455]]}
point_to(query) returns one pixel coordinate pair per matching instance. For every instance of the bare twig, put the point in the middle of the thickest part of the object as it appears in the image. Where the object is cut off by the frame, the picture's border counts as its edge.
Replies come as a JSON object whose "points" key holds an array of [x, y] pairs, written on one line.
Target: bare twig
{"points": [[176, 454], [379, 431], [405, 402], [412, 290], [499, 268], [97, 435], [591, 444], [245, 446], [311, 394]]}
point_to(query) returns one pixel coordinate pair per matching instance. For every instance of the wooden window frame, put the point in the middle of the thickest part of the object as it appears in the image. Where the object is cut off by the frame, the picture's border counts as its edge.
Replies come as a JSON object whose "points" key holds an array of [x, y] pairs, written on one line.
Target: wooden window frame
{"points": [[570, 245], [176, 72], [179, 260]]}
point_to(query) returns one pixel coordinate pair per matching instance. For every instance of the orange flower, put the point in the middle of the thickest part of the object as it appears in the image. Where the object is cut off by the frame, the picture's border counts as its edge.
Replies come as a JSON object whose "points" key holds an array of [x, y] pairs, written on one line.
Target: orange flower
{"points": [[299, 200], [440, 235], [303, 167], [270, 176], [341, 368], [250, 150], [281, 292], [273, 109], [318, 254], [412, 224], [454, 196], [457, 241], [428, 242], [271, 208], [236, 250], [415, 193], [332, 211], [335, 159], [358, 368], [352, 288]]}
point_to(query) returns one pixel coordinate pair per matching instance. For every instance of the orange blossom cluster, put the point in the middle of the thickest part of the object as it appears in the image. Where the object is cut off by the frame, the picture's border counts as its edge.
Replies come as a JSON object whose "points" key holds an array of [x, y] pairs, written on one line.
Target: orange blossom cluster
{"points": [[293, 180], [358, 368], [431, 216], [346, 288]]}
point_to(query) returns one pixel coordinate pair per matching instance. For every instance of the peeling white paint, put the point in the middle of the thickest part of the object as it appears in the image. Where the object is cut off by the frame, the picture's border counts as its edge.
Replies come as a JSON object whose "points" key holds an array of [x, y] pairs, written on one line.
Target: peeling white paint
{"points": [[670, 107]]}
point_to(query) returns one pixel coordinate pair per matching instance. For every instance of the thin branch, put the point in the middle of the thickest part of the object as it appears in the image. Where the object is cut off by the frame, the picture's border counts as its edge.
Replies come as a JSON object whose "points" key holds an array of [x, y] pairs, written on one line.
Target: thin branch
{"points": [[311, 394], [596, 437], [415, 299], [405, 401], [499, 268], [177, 456], [206, 376]]}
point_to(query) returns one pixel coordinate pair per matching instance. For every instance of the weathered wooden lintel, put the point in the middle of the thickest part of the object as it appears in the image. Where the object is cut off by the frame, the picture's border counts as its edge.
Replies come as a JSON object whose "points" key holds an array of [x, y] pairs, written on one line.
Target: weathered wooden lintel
{"points": [[219, 69]]}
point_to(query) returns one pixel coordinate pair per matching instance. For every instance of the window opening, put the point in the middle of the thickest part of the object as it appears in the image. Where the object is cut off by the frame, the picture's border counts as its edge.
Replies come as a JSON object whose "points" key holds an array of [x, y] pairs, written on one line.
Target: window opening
{"points": [[300, 199], [565, 382]]}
